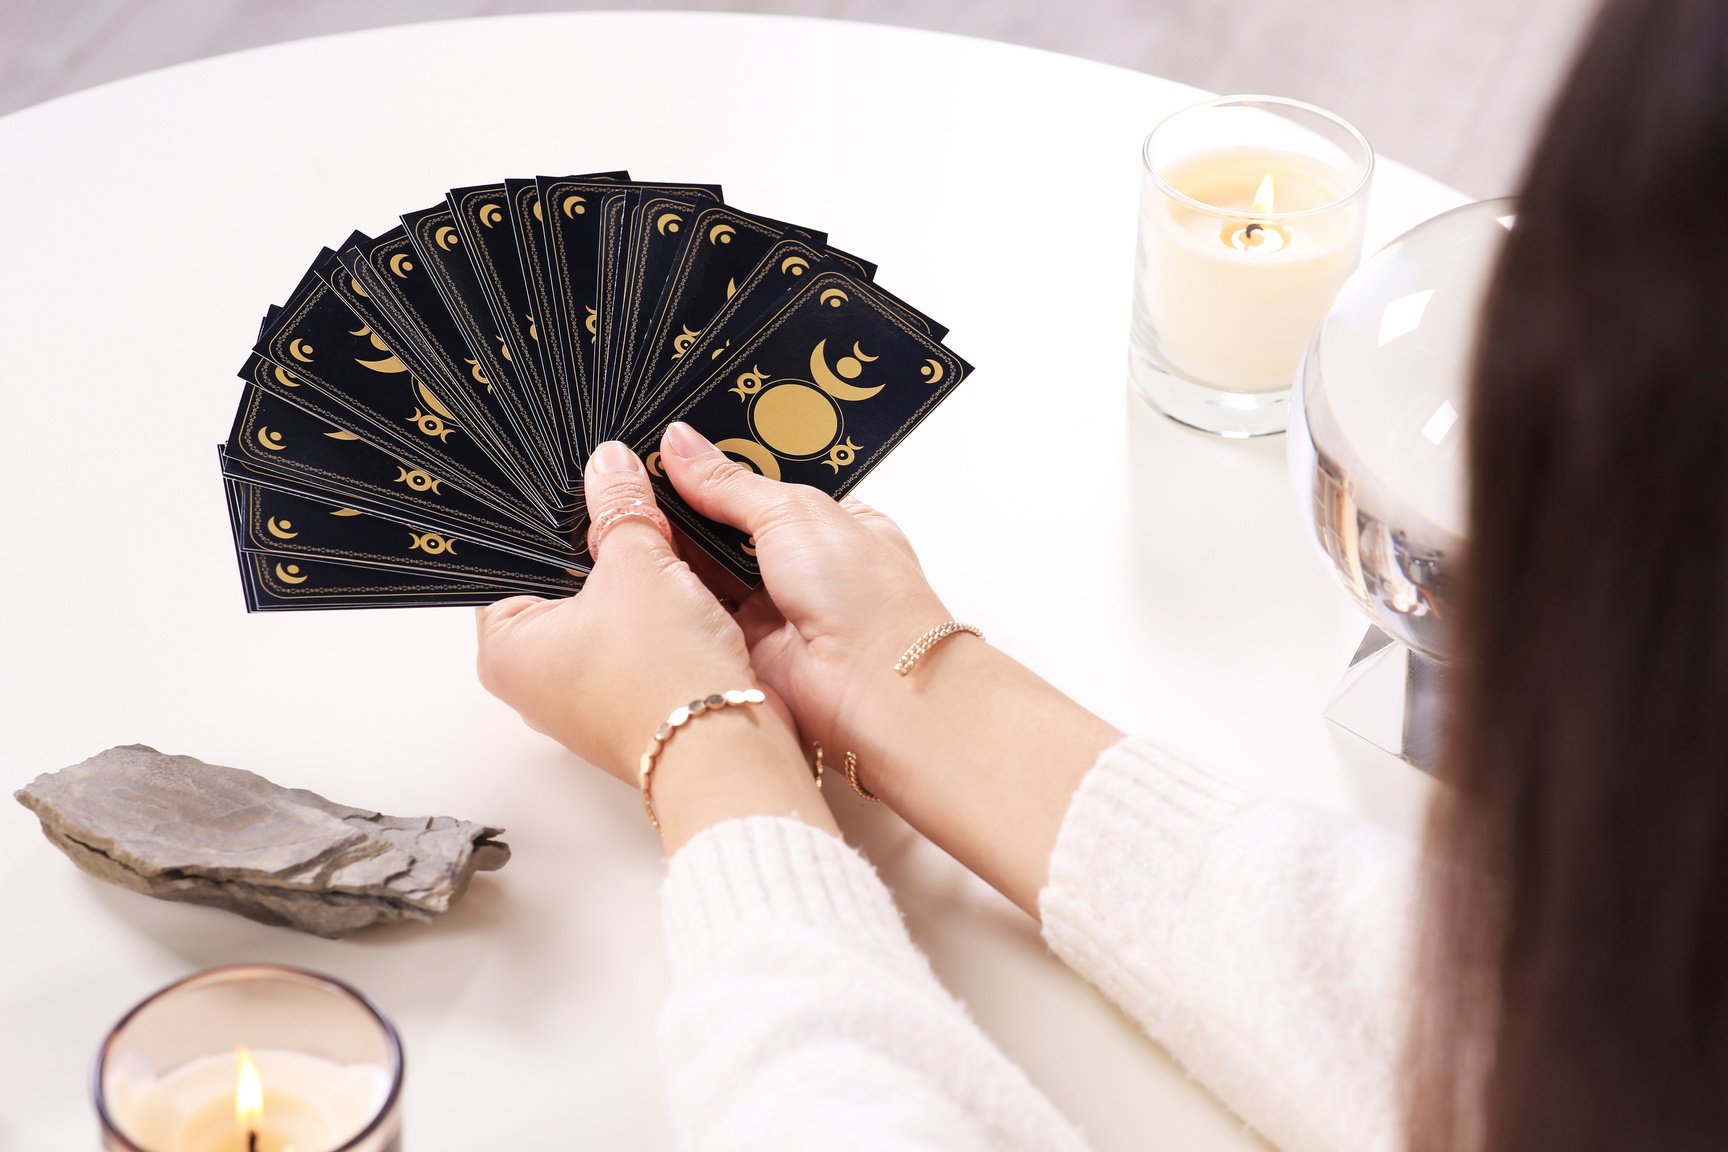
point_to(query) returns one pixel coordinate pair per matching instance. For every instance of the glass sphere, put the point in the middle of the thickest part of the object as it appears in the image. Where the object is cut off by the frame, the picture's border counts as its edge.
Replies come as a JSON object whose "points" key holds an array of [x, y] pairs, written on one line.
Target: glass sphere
{"points": [[1376, 443]]}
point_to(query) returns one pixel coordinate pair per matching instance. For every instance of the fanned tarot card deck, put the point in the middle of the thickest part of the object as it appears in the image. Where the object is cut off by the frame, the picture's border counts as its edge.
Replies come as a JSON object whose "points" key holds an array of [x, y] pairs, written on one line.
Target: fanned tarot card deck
{"points": [[417, 414]]}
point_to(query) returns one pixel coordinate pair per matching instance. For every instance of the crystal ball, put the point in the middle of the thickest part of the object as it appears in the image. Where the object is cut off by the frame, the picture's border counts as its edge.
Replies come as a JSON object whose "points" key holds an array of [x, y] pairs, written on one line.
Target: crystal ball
{"points": [[1378, 413]]}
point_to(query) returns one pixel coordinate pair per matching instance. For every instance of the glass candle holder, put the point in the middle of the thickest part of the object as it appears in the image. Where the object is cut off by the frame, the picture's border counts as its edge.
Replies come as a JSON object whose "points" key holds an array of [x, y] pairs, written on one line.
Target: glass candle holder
{"points": [[251, 1058], [1251, 217]]}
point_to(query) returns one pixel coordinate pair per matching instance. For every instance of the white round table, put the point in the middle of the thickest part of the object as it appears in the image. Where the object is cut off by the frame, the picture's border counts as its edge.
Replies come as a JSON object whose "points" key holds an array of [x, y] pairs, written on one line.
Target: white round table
{"points": [[1157, 575]]}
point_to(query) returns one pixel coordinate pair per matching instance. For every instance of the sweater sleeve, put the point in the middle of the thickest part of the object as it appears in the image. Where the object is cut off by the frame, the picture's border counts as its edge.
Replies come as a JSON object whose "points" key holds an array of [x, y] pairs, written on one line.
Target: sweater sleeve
{"points": [[802, 1015], [1265, 945]]}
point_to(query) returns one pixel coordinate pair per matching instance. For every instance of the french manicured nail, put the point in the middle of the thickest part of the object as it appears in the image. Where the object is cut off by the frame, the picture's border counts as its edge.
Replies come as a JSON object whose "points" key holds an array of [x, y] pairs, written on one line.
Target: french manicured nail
{"points": [[683, 441], [613, 456]]}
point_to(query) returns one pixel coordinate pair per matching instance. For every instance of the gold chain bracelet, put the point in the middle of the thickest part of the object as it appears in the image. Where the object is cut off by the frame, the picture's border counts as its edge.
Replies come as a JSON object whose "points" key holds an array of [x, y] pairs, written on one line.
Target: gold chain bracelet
{"points": [[915, 652]]}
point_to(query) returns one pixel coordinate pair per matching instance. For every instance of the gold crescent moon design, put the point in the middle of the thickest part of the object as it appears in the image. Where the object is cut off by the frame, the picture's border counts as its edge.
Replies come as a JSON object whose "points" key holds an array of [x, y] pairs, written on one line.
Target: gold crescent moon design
{"points": [[652, 463], [387, 364], [833, 297], [592, 323], [281, 529], [830, 383], [668, 222], [721, 234], [575, 206], [283, 376], [731, 287], [355, 284], [347, 512], [400, 265], [363, 330], [432, 401], [271, 440], [446, 236], [490, 215], [533, 329], [341, 434], [863, 355], [759, 457], [474, 370], [300, 350], [932, 371], [794, 265], [748, 547], [537, 215], [290, 574]]}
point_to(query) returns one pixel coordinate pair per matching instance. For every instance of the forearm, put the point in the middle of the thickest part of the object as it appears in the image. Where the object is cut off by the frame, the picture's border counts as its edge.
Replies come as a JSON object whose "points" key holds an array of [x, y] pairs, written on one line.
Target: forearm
{"points": [[979, 754]]}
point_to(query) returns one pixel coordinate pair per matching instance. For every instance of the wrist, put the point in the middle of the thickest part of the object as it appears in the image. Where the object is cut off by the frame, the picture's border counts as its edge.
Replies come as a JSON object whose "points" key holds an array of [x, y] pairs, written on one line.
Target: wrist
{"points": [[727, 764]]}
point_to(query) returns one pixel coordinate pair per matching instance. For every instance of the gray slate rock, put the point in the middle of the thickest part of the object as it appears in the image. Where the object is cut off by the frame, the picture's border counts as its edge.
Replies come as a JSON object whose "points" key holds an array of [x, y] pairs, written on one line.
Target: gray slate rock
{"points": [[180, 829]]}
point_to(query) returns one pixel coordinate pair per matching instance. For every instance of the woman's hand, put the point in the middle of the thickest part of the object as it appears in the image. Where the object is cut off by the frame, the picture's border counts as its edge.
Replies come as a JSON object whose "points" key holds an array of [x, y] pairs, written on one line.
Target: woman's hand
{"points": [[972, 749], [842, 592], [600, 671]]}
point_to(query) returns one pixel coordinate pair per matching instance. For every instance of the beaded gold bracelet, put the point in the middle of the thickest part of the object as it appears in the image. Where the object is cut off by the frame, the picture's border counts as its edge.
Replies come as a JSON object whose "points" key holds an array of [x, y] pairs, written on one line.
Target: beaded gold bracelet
{"points": [[734, 698], [916, 650]]}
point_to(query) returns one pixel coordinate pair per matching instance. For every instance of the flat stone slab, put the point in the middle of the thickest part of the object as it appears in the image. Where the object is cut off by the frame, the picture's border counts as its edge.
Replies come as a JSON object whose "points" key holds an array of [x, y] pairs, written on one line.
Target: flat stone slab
{"points": [[177, 828]]}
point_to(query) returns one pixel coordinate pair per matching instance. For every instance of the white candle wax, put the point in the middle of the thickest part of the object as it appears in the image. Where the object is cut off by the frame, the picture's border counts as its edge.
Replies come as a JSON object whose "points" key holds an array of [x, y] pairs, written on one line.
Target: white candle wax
{"points": [[310, 1104], [1235, 293]]}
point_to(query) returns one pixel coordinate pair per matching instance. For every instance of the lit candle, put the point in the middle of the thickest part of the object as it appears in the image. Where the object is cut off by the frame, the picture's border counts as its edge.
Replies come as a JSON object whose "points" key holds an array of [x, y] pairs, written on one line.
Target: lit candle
{"points": [[265, 1101], [1251, 216], [321, 1070], [1240, 266]]}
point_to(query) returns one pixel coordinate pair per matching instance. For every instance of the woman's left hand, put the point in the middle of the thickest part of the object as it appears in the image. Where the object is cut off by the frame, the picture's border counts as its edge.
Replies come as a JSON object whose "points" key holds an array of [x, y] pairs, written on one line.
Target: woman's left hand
{"points": [[599, 671]]}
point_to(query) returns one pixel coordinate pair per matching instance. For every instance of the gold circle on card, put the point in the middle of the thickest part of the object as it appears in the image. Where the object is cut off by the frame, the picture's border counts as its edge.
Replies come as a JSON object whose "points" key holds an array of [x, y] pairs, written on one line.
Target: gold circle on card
{"points": [[795, 419]]}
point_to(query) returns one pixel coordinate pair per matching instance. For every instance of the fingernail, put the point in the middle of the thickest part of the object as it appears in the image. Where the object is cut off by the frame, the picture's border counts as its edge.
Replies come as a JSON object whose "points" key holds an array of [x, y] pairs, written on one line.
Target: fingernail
{"points": [[683, 441], [613, 456]]}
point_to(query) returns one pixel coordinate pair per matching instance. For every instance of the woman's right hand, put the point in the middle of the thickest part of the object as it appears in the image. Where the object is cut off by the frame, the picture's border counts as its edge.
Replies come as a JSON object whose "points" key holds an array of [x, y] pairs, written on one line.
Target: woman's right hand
{"points": [[842, 593]]}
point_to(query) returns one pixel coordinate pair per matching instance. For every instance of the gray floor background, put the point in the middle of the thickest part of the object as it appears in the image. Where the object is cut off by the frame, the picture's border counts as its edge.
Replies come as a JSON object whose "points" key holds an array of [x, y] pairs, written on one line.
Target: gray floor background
{"points": [[1455, 88]]}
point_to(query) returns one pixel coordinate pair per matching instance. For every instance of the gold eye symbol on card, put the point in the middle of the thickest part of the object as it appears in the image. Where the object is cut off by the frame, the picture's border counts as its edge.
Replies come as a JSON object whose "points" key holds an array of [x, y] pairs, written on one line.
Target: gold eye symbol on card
{"points": [[669, 222], [575, 206], [794, 265], [431, 543], [290, 574], [842, 455], [446, 237], [490, 214], [417, 480], [283, 376], [932, 372], [833, 297], [437, 422], [849, 367], [341, 434], [281, 529], [750, 383], [400, 265], [681, 343], [721, 234], [271, 440], [300, 350]]}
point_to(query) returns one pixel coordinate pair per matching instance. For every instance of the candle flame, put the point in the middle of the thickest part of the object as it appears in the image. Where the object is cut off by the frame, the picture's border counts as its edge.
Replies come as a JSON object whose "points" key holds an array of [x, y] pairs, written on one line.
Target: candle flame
{"points": [[248, 1092], [1263, 197]]}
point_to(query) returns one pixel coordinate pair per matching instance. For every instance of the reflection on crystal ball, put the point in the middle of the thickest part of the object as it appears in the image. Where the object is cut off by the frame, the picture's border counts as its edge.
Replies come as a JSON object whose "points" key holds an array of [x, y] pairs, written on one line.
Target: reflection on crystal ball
{"points": [[1378, 416]]}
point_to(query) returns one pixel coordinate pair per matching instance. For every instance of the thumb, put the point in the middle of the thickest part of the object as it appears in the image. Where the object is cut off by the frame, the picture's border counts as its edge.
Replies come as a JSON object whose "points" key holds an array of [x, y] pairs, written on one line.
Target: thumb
{"points": [[716, 486], [622, 516]]}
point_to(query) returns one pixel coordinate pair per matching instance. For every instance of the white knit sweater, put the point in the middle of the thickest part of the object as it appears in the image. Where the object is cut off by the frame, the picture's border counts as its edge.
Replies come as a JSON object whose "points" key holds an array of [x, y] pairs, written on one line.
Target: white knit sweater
{"points": [[1263, 944]]}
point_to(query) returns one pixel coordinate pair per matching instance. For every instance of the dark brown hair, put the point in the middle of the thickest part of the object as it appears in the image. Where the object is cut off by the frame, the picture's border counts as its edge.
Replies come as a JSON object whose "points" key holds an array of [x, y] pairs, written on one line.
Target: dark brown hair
{"points": [[1574, 958]]}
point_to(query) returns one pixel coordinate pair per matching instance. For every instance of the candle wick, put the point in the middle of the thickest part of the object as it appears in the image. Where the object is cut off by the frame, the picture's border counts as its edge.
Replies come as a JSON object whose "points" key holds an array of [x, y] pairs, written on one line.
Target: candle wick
{"points": [[251, 1140], [1249, 231]]}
